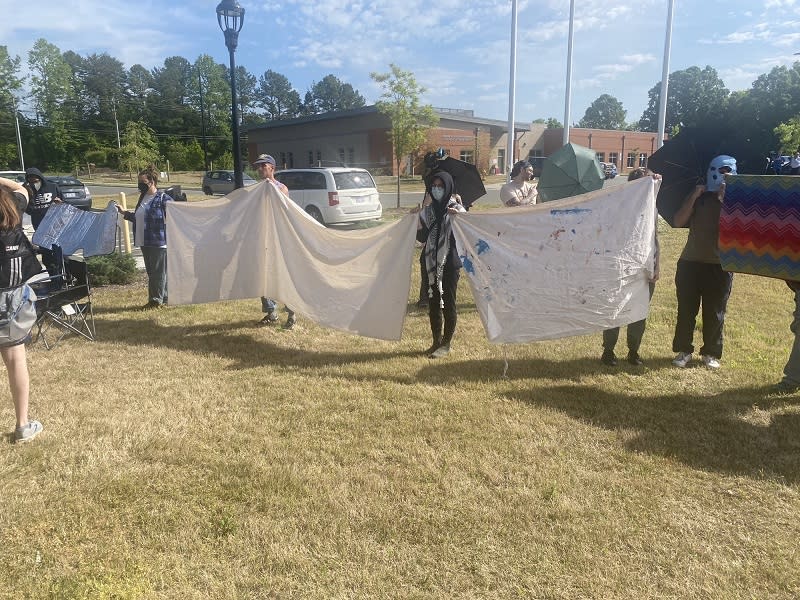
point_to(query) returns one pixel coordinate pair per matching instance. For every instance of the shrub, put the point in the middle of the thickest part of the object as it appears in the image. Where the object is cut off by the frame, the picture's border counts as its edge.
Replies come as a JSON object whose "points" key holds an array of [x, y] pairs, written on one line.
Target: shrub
{"points": [[114, 268]]}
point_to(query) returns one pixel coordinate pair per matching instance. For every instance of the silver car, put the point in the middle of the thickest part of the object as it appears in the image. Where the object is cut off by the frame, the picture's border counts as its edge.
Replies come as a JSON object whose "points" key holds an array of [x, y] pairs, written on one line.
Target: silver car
{"points": [[222, 182]]}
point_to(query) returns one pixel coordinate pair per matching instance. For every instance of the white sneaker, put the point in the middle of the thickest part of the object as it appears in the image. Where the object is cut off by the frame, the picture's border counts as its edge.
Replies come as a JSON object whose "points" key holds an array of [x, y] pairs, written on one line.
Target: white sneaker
{"points": [[683, 359], [28, 432], [710, 361]]}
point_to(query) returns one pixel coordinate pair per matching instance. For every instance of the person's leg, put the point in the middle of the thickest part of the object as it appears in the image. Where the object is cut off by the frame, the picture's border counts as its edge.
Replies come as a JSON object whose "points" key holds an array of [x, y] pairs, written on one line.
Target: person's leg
{"points": [[449, 287], [149, 266], [716, 291], [688, 293], [423, 280], [16, 362], [791, 372], [156, 273], [435, 317], [290, 319], [635, 332], [267, 305]]}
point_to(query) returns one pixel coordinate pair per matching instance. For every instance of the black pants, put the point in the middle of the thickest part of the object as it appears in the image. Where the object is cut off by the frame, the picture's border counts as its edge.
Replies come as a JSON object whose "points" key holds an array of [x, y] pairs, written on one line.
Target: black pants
{"points": [[697, 283], [634, 333], [448, 314], [423, 279]]}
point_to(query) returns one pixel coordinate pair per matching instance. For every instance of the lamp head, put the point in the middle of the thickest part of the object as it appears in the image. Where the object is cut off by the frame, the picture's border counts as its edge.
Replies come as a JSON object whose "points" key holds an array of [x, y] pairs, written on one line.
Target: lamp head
{"points": [[230, 16]]}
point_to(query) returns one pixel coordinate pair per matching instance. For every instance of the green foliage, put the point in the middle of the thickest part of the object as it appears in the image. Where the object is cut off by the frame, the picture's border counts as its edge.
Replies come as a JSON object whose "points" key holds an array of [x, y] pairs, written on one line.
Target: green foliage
{"points": [[98, 157], [553, 123], [139, 147], [789, 135], [331, 94], [117, 268], [695, 97], [604, 113], [276, 96], [410, 120]]}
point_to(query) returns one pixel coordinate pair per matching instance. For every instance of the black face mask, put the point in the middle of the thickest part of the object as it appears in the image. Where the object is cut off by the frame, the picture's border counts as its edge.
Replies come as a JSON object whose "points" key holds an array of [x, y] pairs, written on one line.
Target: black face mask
{"points": [[143, 187]]}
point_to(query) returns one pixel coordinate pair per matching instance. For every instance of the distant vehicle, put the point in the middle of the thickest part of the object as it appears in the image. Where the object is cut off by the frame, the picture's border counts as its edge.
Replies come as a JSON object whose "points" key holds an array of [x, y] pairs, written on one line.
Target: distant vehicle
{"points": [[333, 194], [222, 182], [18, 176], [73, 191], [609, 169]]}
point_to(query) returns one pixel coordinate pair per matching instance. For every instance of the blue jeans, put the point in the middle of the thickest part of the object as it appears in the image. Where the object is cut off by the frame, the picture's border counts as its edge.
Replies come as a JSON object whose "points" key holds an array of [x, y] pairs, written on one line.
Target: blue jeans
{"points": [[155, 263], [791, 372]]}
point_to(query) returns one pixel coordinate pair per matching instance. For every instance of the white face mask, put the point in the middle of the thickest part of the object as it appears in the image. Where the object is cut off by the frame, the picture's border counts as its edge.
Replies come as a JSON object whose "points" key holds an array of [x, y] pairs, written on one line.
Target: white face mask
{"points": [[37, 185], [437, 192]]}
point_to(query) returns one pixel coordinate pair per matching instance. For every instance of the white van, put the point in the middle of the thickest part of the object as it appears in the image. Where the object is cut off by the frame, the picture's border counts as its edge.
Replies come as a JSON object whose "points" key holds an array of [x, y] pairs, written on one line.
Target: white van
{"points": [[333, 195]]}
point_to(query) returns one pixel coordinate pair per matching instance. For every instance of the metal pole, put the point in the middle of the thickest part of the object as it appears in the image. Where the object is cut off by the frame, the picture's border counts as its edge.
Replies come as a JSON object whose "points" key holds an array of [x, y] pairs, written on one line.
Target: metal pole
{"points": [[202, 121], [568, 94], [116, 122], [19, 137], [230, 41], [512, 85], [662, 104]]}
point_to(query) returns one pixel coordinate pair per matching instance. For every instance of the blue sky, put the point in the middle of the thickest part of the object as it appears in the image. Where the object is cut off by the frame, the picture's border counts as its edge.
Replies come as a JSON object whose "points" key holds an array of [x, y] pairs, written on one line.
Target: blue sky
{"points": [[458, 49]]}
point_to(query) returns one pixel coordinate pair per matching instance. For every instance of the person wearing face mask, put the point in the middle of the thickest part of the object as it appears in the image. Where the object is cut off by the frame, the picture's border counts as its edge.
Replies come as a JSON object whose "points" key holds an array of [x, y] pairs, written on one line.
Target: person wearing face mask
{"points": [[42, 194], [441, 260], [519, 191], [699, 277], [150, 234]]}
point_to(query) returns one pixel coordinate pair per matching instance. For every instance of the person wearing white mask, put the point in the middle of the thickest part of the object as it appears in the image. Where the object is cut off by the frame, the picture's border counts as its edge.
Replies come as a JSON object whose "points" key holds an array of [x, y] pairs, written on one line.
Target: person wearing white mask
{"points": [[441, 260], [42, 195]]}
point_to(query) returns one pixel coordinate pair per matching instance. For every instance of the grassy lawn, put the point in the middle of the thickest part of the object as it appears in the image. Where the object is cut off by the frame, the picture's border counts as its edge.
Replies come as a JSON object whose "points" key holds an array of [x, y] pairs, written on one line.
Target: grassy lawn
{"points": [[189, 454]]}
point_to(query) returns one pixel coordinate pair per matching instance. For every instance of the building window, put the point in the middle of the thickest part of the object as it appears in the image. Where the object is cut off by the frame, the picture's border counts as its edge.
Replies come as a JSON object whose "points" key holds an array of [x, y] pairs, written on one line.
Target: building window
{"points": [[351, 156], [283, 160], [613, 157], [341, 155], [319, 158], [536, 152], [501, 160], [631, 160], [290, 164], [467, 156], [310, 158], [643, 160], [601, 156]]}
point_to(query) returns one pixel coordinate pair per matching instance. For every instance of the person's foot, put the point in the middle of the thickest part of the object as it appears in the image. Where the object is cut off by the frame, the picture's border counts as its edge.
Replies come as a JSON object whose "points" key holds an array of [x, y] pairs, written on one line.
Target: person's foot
{"points": [[440, 352], [712, 362], [269, 319], [682, 359], [151, 305], [608, 358], [785, 388], [27, 432], [635, 359], [290, 323]]}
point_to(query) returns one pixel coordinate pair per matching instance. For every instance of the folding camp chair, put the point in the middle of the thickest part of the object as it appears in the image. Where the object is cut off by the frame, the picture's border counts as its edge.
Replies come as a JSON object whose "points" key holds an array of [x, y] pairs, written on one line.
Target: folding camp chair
{"points": [[64, 304]]}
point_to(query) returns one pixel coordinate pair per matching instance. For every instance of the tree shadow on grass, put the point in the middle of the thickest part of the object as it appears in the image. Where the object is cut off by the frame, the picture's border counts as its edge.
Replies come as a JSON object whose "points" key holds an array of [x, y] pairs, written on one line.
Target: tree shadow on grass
{"points": [[229, 341], [730, 432]]}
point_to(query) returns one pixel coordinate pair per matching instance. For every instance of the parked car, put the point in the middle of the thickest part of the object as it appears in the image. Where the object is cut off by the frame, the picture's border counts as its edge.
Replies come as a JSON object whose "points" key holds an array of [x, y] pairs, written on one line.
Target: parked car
{"points": [[222, 182], [333, 194], [609, 169], [73, 191], [18, 176]]}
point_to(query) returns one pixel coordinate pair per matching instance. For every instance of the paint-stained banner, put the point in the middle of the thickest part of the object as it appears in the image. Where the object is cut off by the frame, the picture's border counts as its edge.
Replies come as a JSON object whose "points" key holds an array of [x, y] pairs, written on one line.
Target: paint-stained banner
{"points": [[564, 268]]}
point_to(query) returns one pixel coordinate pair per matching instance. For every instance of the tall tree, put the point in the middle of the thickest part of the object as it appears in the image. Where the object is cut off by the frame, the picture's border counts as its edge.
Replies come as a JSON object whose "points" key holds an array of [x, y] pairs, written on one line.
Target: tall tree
{"points": [[277, 96], [332, 94], [139, 147], [553, 123], [246, 84], [9, 89], [696, 96], [411, 120], [604, 113]]}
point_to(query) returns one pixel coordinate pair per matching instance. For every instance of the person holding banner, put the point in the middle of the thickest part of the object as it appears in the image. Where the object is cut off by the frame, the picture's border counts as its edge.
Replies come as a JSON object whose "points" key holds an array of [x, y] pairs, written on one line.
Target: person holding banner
{"points": [[150, 234]]}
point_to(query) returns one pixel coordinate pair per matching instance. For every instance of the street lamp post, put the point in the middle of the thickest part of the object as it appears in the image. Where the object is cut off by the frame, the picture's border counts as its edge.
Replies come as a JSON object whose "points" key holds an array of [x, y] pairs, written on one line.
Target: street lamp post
{"points": [[230, 17]]}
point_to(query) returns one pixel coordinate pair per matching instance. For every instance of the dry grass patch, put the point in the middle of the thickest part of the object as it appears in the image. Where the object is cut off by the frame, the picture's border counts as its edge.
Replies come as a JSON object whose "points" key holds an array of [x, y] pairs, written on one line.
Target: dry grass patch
{"points": [[190, 454]]}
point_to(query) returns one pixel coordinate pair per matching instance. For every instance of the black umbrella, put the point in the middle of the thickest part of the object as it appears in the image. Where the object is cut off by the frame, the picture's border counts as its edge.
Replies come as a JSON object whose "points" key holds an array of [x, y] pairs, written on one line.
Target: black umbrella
{"points": [[466, 177], [682, 163]]}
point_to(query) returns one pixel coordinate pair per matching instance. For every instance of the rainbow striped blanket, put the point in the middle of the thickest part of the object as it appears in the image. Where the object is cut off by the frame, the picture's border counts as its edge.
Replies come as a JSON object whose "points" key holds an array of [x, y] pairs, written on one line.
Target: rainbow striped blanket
{"points": [[759, 226]]}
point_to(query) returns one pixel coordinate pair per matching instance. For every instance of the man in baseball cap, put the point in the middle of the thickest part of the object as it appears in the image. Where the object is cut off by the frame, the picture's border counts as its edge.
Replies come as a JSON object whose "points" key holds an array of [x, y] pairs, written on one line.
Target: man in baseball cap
{"points": [[265, 165]]}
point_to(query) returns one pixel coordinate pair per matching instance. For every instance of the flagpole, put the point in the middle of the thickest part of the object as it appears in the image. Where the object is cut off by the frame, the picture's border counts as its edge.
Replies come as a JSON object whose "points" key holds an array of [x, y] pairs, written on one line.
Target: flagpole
{"points": [[568, 95], [512, 85], [662, 105]]}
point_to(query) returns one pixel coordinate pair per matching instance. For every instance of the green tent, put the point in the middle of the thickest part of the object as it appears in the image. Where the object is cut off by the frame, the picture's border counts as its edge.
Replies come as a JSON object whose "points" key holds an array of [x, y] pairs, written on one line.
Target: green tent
{"points": [[570, 171]]}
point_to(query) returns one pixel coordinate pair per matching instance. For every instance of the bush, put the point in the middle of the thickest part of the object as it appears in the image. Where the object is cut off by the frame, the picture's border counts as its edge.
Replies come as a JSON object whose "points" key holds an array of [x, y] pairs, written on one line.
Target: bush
{"points": [[114, 268]]}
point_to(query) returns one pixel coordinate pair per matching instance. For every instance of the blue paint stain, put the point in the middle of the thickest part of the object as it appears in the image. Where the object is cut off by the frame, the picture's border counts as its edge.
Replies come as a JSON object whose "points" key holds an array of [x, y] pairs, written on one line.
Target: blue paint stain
{"points": [[481, 246], [570, 211], [468, 266]]}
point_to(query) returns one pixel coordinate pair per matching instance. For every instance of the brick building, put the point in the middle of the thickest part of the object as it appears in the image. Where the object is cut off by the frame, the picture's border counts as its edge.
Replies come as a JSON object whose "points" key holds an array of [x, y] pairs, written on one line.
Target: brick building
{"points": [[359, 138]]}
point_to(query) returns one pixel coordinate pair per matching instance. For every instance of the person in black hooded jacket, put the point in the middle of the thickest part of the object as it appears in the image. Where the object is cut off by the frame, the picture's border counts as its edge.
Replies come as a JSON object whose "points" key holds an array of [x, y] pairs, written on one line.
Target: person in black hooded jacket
{"points": [[441, 260], [41, 195]]}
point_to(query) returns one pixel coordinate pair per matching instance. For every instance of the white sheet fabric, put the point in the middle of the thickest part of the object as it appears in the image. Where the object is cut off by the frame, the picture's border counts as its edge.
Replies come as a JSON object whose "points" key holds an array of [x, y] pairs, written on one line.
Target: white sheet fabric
{"points": [[257, 242], [570, 267]]}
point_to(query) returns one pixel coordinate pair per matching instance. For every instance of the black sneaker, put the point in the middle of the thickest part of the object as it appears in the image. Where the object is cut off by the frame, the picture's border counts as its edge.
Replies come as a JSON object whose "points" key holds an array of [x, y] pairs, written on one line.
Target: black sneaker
{"points": [[608, 358], [635, 359], [269, 319], [290, 323]]}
